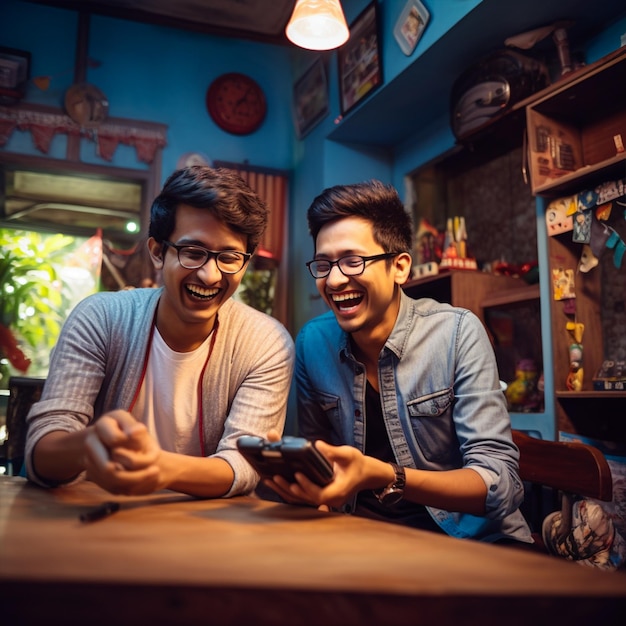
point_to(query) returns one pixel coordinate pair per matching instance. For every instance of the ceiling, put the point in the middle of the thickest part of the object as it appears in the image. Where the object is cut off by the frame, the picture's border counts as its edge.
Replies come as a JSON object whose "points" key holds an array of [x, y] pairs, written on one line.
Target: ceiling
{"points": [[260, 20]]}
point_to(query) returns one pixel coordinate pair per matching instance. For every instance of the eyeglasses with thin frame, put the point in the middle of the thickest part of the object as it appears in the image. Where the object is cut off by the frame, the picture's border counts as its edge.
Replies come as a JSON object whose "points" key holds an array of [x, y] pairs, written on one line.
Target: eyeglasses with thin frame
{"points": [[195, 257], [351, 265]]}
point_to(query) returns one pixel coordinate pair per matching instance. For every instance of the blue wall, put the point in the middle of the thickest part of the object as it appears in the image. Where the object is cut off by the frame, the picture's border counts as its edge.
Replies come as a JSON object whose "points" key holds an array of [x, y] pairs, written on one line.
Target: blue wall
{"points": [[320, 162], [159, 74], [155, 74]]}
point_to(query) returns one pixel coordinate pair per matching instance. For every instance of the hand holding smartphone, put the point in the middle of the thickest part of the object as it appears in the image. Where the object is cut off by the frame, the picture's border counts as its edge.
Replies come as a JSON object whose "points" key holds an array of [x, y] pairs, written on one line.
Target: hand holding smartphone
{"points": [[285, 457]]}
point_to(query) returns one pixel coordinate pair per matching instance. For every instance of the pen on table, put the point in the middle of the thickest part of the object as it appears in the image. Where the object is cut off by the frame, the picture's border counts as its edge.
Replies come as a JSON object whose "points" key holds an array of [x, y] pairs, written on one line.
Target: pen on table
{"points": [[100, 512]]}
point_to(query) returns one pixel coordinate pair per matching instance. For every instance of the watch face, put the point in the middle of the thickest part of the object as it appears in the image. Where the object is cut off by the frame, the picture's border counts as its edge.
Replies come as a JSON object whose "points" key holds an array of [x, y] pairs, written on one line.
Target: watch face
{"points": [[392, 497], [236, 103]]}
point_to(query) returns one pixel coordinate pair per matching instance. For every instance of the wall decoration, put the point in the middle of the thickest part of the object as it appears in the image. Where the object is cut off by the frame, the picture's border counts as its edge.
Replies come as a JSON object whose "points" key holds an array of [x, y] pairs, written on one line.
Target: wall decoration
{"points": [[189, 159], [86, 105], [411, 25], [14, 72], [310, 98], [146, 137], [14, 67], [236, 103], [360, 62]]}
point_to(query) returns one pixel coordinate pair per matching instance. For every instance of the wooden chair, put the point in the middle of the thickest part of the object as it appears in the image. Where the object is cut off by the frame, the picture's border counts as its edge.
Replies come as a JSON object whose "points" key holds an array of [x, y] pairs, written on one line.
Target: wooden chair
{"points": [[569, 469], [23, 392]]}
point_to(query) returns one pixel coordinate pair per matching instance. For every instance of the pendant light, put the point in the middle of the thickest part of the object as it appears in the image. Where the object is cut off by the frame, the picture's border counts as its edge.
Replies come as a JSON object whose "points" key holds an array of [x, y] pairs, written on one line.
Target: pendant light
{"points": [[318, 25]]}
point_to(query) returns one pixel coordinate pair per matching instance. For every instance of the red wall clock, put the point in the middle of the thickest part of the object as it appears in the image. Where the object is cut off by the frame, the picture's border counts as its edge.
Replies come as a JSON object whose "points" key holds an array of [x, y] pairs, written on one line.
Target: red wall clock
{"points": [[236, 103]]}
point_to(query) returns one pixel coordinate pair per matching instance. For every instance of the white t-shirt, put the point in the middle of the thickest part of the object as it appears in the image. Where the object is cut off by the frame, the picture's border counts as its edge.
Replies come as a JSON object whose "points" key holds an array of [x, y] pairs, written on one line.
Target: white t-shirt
{"points": [[170, 375]]}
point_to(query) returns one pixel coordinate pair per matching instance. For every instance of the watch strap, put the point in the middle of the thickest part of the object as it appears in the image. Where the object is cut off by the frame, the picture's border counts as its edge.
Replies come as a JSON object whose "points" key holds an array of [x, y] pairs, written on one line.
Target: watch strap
{"points": [[394, 491]]}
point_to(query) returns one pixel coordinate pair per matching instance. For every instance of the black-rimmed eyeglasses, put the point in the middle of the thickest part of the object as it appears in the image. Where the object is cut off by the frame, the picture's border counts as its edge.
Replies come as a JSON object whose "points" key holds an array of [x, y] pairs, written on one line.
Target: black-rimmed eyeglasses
{"points": [[194, 257], [351, 265]]}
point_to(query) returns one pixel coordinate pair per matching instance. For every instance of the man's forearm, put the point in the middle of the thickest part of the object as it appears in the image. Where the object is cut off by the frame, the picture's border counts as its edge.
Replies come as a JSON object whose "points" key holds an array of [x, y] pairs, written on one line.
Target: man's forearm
{"points": [[196, 476], [59, 456], [461, 490]]}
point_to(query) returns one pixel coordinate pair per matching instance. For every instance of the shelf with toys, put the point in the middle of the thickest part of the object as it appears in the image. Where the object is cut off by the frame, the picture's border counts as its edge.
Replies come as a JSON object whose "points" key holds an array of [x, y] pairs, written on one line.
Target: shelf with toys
{"points": [[586, 322], [448, 272], [508, 306], [485, 260], [578, 166]]}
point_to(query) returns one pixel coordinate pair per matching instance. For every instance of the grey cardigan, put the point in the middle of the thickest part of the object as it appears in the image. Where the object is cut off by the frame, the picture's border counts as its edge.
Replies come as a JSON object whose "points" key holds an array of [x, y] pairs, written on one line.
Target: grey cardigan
{"points": [[97, 363]]}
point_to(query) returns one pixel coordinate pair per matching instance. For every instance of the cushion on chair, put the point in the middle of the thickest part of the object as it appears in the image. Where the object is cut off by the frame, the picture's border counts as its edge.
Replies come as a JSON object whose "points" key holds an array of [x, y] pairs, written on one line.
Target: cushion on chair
{"points": [[592, 539]]}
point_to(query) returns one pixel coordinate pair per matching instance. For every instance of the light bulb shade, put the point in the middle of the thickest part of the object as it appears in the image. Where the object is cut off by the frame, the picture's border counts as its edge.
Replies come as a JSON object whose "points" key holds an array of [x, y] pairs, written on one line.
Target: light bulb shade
{"points": [[318, 25]]}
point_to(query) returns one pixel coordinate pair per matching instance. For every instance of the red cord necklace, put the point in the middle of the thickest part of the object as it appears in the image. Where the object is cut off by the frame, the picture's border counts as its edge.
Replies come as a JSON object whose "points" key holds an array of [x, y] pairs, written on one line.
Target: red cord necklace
{"points": [[199, 391]]}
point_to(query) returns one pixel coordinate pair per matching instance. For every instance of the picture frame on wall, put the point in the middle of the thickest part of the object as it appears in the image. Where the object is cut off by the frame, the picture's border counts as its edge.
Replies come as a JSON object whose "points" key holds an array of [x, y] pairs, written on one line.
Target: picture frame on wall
{"points": [[360, 60], [410, 25], [310, 98], [14, 67]]}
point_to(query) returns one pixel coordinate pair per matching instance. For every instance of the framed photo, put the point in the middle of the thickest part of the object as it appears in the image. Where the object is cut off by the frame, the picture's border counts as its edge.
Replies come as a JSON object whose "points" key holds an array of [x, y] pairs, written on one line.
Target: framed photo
{"points": [[411, 25], [360, 63], [310, 98], [14, 67]]}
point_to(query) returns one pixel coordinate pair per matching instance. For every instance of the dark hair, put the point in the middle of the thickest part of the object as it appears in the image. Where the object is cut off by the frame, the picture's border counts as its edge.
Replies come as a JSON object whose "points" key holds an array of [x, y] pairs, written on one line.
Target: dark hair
{"points": [[373, 201], [218, 190]]}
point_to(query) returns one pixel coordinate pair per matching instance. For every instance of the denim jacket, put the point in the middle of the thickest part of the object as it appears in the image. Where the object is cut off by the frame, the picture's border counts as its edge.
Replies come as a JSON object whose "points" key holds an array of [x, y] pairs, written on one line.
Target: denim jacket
{"points": [[441, 401]]}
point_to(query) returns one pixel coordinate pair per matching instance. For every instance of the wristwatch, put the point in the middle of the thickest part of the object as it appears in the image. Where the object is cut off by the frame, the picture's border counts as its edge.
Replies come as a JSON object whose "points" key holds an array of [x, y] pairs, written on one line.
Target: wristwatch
{"points": [[394, 491]]}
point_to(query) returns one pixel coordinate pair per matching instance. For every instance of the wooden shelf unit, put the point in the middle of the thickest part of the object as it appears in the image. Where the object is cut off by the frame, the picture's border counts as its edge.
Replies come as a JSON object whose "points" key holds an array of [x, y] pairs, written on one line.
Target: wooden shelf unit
{"points": [[479, 292], [590, 101], [468, 289], [511, 297], [577, 129], [586, 177], [591, 105]]}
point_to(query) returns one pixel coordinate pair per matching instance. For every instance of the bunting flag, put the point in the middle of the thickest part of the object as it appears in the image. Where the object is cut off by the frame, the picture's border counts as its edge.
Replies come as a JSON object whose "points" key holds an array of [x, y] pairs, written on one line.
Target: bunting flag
{"points": [[44, 125], [6, 130]]}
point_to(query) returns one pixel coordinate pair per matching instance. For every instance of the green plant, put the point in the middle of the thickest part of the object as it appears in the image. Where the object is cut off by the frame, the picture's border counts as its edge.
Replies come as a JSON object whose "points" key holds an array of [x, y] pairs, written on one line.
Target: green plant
{"points": [[257, 289], [31, 299]]}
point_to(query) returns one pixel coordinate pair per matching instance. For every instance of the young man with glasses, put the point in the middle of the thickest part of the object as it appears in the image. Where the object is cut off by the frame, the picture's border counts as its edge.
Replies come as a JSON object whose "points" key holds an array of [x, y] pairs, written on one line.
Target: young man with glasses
{"points": [[402, 395], [151, 388]]}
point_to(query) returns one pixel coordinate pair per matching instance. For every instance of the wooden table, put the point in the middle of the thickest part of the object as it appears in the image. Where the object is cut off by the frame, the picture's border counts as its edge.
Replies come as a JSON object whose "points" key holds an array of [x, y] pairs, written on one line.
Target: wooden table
{"points": [[170, 559]]}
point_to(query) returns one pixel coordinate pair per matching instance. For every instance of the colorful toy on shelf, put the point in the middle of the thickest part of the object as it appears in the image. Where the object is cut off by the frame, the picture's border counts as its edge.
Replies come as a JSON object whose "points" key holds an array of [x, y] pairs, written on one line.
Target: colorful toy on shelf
{"points": [[559, 215], [575, 375], [425, 269], [428, 243], [582, 226], [588, 260], [455, 246], [611, 376], [427, 252], [522, 393], [563, 283], [588, 214]]}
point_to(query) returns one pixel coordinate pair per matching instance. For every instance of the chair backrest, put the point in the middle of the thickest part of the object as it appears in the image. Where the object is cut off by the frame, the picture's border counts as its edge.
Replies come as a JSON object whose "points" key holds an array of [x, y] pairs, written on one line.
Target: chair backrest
{"points": [[569, 470], [23, 392], [571, 467]]}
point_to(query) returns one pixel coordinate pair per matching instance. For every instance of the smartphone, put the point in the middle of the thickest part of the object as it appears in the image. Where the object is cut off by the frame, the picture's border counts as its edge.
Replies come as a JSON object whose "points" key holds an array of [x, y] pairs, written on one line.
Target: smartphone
{"points": [[285, 457]]}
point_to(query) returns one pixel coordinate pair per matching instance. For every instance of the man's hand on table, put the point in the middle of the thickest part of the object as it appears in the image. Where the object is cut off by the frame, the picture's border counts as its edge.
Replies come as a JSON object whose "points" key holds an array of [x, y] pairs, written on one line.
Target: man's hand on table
{"points": [[121, 456]]}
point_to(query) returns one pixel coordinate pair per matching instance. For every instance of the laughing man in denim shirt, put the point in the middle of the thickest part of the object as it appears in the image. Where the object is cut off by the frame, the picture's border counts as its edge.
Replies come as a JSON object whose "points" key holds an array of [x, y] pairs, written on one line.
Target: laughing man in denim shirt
{"points": [[403, 394]]}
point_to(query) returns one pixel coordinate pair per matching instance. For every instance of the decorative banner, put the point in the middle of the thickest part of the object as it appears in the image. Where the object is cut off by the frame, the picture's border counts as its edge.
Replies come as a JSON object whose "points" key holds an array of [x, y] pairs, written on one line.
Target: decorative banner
{"points": [[45, 125]]}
